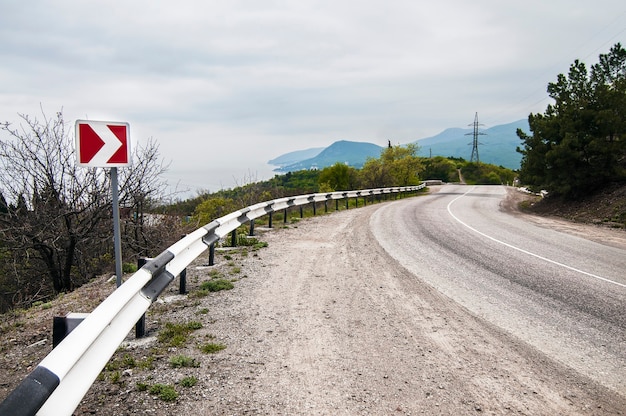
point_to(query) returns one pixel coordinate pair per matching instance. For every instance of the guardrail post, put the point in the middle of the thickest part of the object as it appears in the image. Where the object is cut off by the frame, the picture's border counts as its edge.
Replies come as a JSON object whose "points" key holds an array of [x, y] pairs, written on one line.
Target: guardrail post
{"points": [[325, 206], [285, 216], [211, 254], [357, 201], [140, 326], [233, 238], [63, 325], [251, 228], [336, 205], [365, 201], [183, 282], [301, 212], [314, 208], [269, 220], [347, 203]]}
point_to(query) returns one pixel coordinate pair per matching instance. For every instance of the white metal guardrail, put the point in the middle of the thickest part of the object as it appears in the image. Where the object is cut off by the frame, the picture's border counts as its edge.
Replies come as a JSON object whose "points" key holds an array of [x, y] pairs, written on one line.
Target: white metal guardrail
{"points": [[57, 385]]}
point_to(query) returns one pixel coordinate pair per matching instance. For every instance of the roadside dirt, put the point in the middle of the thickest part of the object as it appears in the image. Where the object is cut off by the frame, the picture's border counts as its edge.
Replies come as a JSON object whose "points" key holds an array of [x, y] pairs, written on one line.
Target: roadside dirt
{"points": [[321, 322], [583, 219]]}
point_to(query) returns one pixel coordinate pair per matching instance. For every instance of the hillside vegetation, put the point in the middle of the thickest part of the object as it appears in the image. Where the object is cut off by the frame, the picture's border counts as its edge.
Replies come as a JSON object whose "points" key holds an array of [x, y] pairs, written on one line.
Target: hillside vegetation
{"points": [[577, 149], [396, 166], [578, 146]]}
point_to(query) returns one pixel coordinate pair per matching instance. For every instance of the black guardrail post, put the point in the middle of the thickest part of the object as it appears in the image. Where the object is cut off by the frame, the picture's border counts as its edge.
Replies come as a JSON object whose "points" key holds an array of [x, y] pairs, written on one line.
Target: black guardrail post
{"points": [[182, 284], [233, 238], [285, 216], [301, 212], [182, 289], [211, 254], [140, 326], [251, 233], [269, 219]]}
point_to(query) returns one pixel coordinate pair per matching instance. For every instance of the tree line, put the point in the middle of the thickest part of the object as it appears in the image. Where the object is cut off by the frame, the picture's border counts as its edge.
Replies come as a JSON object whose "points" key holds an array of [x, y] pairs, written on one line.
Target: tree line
{"points": [[396, 166], [578, 145]]}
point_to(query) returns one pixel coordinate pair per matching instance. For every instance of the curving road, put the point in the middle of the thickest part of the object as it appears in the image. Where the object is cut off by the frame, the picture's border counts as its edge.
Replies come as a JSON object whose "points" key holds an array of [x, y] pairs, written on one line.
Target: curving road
{"points": [[564, 295], [439, 304]]}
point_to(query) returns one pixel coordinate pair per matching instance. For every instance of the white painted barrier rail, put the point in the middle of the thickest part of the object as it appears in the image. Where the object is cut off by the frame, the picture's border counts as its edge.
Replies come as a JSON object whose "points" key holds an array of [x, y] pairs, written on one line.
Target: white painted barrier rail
{"points": [[60, 381]]}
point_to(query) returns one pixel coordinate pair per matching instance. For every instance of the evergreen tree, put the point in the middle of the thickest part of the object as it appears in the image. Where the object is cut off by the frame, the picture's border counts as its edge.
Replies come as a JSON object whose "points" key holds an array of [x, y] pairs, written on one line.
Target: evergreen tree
{"points": [[579, 143]]}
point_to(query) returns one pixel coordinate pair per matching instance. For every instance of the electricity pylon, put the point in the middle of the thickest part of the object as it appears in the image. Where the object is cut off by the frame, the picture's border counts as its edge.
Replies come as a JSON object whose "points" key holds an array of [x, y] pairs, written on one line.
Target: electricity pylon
{"points": [[475, 143]]}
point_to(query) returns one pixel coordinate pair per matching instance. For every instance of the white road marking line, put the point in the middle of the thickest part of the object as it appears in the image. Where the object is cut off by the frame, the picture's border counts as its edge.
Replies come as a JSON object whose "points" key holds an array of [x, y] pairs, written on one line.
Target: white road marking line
{"points": [[525, 251]]}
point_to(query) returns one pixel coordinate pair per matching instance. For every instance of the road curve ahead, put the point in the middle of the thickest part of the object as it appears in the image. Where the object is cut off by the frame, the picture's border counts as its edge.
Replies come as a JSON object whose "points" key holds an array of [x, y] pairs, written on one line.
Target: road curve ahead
{"points": [[562, 294]]}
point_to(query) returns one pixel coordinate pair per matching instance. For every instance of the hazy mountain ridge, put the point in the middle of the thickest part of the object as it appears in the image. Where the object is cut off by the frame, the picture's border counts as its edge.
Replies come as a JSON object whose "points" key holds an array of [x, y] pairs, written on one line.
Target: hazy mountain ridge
{"points": [[497, 146], [295, 157], [343, 151]]}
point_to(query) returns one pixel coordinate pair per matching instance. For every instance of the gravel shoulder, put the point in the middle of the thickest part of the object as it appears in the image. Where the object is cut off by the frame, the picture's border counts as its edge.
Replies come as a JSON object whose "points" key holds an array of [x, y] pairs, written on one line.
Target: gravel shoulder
{"points": [[322, 322]]}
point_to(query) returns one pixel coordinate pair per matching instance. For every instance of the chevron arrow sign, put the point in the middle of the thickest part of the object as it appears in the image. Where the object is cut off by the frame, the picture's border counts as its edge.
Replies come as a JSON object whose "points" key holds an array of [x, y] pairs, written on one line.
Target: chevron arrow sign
{"points": [[102, 143]]}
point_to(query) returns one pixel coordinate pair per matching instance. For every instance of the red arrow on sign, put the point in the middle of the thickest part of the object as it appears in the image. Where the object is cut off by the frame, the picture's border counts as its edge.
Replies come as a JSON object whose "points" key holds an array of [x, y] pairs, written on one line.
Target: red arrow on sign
{"points": [[102, 143]]}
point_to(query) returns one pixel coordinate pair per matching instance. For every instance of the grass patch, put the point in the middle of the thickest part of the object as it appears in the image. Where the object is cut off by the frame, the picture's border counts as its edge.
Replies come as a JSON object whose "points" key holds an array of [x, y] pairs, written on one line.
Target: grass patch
{"points": [[115, 377], [189, 381], [259, 245], [216, 285], [176, 335], [214, 274], [146, 364], [127, 361], [165, 392], [179, 361], [212, 348]]}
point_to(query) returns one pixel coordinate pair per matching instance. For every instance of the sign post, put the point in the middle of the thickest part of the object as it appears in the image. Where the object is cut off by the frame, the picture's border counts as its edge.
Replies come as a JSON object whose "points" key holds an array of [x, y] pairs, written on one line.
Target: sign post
{"points": [[106, 144]]}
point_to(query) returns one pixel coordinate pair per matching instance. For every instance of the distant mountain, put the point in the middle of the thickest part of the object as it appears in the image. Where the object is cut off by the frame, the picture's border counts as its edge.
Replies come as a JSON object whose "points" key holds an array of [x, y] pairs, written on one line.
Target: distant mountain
{"points": [[295, 157], [496, 146], [351, 153]]}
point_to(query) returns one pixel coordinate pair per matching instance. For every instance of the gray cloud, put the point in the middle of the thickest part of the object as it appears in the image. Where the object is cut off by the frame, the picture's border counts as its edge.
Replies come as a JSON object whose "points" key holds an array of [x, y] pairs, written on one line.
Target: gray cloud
{"points": [[244, 81]]}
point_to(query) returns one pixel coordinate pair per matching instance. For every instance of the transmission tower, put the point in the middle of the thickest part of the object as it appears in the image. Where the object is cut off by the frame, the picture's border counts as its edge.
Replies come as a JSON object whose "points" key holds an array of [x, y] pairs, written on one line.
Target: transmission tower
{"points": [[475, 143]]}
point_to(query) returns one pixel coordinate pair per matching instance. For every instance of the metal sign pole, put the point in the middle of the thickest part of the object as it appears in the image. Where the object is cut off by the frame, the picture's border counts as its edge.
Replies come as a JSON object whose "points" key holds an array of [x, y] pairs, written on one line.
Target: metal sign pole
{"points": [[117, 241]]}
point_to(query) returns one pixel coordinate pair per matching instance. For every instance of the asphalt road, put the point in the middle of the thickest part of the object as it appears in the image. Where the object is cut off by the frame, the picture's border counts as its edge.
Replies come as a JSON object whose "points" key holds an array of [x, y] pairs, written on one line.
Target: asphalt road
{"points": [[562, 294]]}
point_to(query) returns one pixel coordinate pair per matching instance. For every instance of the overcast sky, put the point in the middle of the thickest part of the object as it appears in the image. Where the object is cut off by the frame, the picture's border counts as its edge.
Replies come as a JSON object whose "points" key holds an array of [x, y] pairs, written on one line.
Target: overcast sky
{"points": [[224, 86]]}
